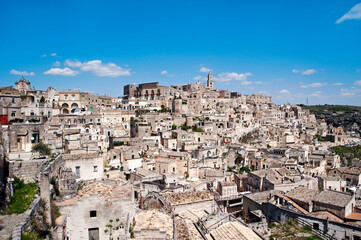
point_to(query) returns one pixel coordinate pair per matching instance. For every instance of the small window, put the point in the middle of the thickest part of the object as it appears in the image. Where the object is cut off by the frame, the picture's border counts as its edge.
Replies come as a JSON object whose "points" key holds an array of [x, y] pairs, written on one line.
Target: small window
{"points": [[13, 114], [77, 171], [316, 226], [95, 168], [93, 213], [173, 169]]}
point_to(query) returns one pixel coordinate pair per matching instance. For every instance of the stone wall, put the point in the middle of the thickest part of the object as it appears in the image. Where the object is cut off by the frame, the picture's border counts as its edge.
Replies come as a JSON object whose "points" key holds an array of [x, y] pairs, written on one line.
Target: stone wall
{"points": [[26, 170], [25, 221]]}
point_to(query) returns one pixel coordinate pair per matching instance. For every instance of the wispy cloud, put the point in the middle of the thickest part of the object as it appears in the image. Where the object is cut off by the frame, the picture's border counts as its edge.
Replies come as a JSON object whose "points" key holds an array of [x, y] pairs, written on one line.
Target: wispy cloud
{"points": [[305, 72], [338, 84], [349, 92], [309, 72], [226, 77], [204, 69], [62, 72], [51, 54], [200, 78], [353, 13], [99, 68], [56, 64], [357, 83], [313, 85], [23, 73], [316, 94], [284, 91], [165, 72]]}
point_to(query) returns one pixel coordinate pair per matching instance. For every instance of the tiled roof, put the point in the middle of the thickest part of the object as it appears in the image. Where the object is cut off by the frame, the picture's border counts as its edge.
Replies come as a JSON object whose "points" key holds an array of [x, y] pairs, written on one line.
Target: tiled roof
{"points": [[233, 231], [154, 220], [180, 198], [334, 198], [302, 194]]}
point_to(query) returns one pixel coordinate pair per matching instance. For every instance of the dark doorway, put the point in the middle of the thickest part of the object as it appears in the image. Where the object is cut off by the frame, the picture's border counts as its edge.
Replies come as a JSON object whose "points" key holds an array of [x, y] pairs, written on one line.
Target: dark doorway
{"points": [[93, 233]]}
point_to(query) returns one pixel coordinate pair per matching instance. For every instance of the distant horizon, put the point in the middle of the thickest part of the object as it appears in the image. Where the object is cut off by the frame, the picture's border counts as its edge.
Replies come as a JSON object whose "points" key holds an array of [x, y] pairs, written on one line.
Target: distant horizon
{"points": [[120, 96], [290, 51]]}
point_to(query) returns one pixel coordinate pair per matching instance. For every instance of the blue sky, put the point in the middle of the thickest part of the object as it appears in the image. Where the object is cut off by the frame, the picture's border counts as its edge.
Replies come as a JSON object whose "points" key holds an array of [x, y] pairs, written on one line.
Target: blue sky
{"points": [[290, 50]]}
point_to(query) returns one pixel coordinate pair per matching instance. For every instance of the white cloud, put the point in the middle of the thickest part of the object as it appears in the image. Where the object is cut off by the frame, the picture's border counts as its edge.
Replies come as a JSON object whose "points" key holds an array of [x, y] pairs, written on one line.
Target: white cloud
{"points": [[309, 72], [313, 85], [165, 72], [305, 72], [357, 83], [43, 55], [353, 13], [204, 69], [56, 64], [284, 91], [226, 77], [23, 73], [73, 64], [316, 94], [61, 71], [53, 54], [246, 83], [338, 84], [349, 92], [200, 78], [98, 68]]}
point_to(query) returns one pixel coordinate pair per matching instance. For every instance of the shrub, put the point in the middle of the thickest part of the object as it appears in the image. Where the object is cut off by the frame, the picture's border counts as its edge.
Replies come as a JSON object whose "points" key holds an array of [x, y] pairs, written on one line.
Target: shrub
{"points": [[42, 148], [54, 211], [185, 128], [30, 236], [118, 143]]}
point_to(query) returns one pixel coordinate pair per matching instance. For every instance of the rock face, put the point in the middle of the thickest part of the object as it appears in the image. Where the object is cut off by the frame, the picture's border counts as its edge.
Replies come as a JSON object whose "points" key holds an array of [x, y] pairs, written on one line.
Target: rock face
{"points": [[26, 170], [66, 181]]}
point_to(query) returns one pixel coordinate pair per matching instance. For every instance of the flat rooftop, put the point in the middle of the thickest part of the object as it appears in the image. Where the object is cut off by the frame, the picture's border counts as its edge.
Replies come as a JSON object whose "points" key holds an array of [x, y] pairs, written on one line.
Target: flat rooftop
{"points": [[154, 219], [182, 198]]}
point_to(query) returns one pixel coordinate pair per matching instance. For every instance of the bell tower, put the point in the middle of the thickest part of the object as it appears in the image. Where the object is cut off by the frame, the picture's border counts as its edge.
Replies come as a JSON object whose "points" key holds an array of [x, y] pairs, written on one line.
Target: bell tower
{"points": [[210, 81]]}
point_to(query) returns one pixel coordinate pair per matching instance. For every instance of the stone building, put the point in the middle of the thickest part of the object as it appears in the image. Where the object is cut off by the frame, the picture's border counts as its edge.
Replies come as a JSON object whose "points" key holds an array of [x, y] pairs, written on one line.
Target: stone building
{"points": [[22, 86], [97, 205]]}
